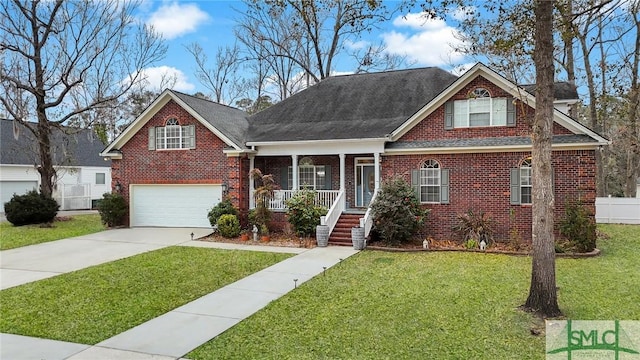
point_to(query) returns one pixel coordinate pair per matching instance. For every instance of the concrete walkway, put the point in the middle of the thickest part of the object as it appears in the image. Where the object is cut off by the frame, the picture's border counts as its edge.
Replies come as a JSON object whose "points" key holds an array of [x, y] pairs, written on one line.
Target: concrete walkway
{"points": [[36, 262], [177, 332]]}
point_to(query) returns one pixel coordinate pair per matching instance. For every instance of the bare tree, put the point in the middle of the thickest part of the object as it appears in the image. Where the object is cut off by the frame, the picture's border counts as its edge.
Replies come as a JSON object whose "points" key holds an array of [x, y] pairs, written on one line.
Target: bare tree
{"points": [[315, 29], [275, 71], [62, 59], [631, 134], [542, 293], [220, 76]]}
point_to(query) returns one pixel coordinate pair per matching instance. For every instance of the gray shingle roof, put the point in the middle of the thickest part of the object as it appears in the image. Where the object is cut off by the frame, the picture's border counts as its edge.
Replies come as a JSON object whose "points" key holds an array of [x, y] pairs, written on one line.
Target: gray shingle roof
{"points": [[350, 106], [79, 147], [480, 142], [561, 90], [230, 121]]}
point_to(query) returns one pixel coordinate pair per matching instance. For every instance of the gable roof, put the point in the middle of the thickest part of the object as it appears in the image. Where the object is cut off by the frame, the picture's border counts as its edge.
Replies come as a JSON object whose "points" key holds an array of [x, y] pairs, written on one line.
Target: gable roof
{"points": [[562, 90], [516, 91], [227, 123], [70, 146], [358, 106], [230, 121]]}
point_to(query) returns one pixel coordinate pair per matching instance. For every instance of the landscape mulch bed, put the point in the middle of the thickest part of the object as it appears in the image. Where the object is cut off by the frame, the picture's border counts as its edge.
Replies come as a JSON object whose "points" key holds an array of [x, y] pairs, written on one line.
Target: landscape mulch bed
{"points": [[275, 239], [290, 240]]}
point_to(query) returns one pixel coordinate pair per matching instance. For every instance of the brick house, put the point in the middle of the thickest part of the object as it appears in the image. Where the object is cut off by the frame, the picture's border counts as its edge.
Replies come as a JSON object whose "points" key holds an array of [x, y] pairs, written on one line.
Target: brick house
{"points": [[462, 142]]}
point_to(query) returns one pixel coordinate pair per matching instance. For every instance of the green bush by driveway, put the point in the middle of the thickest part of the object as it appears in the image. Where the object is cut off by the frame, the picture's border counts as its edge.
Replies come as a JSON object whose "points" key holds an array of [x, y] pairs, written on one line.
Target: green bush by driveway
{"points": [[17, 236]]}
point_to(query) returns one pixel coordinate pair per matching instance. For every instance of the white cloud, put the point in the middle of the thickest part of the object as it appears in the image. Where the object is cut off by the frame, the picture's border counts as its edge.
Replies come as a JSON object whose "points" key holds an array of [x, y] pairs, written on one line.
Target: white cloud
{"points": [[176, 19], [161, 77], [357, 45], [430, 43]]}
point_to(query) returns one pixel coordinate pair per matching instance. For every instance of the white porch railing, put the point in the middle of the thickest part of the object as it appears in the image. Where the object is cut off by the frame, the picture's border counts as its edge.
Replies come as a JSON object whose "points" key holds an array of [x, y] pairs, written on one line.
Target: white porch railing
{"points": [[331, 219], [367, 220], [324, 198]]}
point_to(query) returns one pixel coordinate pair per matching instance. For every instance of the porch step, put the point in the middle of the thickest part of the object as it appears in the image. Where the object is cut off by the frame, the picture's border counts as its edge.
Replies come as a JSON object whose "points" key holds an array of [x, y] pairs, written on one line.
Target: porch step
{"points": [[341, 234]]}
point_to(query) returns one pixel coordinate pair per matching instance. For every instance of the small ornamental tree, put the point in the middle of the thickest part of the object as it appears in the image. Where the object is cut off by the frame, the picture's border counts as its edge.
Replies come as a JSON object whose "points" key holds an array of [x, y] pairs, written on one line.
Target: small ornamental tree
{"points": [[303, 213], [261, 215], [397, 213]]}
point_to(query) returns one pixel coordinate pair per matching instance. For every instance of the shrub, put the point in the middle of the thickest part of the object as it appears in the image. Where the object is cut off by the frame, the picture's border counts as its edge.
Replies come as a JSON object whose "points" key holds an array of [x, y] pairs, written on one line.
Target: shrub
{"points": [[113, 209], [475, 225], [397, 214], [229, 225], [579, 227], [30, 208], [260, 216], [222, 208], [302, 212]]}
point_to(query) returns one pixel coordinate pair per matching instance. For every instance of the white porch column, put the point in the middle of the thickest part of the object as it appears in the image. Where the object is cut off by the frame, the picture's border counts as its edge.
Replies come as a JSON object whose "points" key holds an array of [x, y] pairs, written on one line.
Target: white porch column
{"points": [[252, 200], [294, 171], [376, 160], [343, 179]]}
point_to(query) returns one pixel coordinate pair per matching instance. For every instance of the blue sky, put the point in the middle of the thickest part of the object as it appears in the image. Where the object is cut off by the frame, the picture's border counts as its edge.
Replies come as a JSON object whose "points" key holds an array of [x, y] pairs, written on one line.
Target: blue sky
{"points": [[210, 23]]}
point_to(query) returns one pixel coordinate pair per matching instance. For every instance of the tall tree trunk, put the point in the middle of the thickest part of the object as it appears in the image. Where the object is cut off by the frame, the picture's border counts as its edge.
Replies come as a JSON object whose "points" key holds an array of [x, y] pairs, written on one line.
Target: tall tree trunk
{"points": [[632, 131], [542, 297]]}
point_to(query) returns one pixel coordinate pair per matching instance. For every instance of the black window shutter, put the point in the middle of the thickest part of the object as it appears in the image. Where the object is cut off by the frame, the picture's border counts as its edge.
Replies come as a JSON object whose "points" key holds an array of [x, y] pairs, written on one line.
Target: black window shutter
{"points": [[415, 182], [284, 178], [511, 112], [327, 177], [448, 115], [152, 138], [514, 180], [444, 186]]}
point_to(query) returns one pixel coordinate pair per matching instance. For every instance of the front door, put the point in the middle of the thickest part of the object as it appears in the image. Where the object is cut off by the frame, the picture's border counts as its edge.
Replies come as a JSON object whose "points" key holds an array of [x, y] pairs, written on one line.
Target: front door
{"points": [[365, 181]]}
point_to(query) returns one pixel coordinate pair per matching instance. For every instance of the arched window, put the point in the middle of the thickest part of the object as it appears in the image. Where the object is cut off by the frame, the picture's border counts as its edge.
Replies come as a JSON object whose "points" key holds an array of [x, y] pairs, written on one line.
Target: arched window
{"points": [[520, 181], [525, 181], [480, 109], [172, 136], [430, 181]]}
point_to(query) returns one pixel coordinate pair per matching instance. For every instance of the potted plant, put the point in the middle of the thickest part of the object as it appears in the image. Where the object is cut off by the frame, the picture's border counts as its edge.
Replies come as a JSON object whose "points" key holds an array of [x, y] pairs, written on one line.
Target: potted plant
{"points": [[264, 231], [244, 235], [261, 215]]}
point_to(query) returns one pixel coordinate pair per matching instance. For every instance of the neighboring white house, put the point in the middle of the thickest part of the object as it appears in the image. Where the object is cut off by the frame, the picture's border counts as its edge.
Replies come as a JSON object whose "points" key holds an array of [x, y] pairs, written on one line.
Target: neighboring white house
{"points": [[82, 174]]}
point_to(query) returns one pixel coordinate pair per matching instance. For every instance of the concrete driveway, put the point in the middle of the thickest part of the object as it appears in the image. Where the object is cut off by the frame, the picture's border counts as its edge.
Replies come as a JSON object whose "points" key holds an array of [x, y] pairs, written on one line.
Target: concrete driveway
{"points": [[31, 263]]}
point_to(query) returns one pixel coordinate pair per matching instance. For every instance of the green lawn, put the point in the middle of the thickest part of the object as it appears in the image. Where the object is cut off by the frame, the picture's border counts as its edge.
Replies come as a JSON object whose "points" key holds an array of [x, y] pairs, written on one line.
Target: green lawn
{"points": [[378, 305], [17, 236], [94, 304]]}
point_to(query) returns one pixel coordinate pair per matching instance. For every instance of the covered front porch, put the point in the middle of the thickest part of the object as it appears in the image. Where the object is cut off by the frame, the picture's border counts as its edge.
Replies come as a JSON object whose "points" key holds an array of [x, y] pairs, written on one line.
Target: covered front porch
{"points": [[343, 182]]}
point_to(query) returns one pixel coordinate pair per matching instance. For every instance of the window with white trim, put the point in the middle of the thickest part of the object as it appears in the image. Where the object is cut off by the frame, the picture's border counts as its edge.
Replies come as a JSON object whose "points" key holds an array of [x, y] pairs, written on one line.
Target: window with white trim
{"points": [[310, 176], [525, 181], [521, 183], [430, 182], [172, 136], [480, 110]]}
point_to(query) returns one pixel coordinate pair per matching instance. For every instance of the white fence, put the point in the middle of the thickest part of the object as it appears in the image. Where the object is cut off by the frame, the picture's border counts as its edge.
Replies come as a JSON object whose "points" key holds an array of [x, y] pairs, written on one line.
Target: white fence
{"points": [[73, 196], [610, 210]]}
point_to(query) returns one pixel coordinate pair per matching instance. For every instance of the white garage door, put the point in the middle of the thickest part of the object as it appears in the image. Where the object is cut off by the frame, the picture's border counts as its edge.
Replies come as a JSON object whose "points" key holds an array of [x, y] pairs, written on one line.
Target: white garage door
{"points": [[8, 188], [173, 205]]}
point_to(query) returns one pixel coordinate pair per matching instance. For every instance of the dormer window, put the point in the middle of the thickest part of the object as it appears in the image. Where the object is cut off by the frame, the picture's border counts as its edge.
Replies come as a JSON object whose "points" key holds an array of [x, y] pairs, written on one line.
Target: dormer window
{"points": [[479, 110], [172, 136]]}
